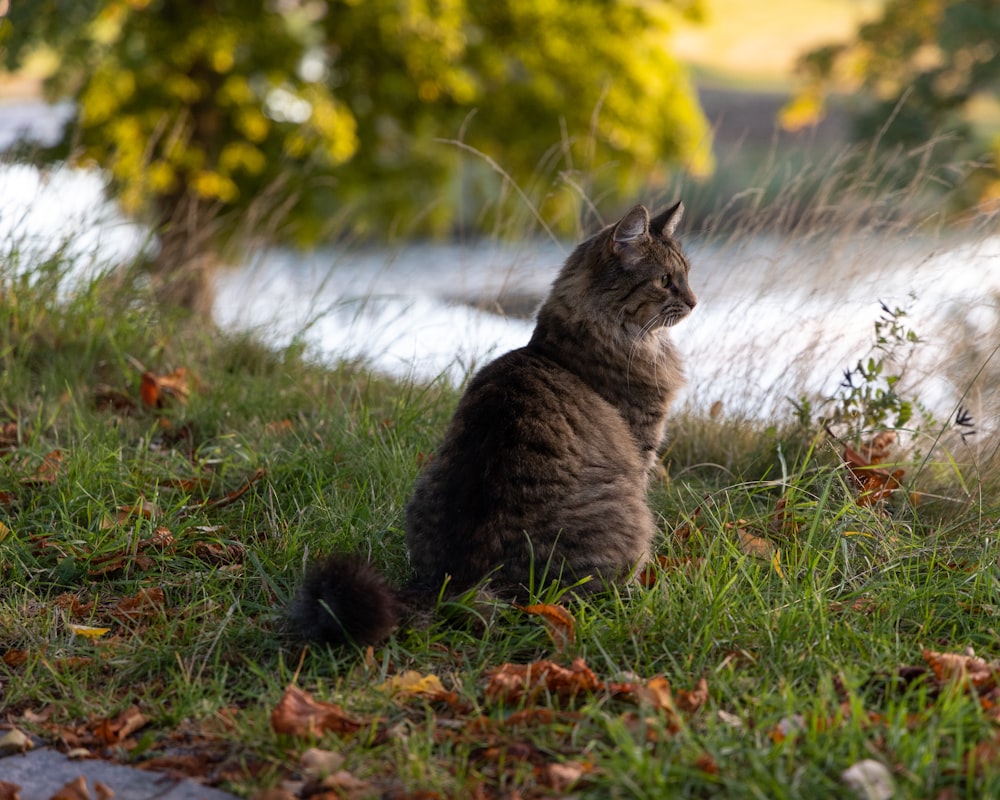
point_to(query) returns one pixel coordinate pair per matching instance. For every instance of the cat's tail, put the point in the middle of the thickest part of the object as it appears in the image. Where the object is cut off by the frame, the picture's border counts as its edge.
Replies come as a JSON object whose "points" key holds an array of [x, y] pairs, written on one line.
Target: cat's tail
{"points": [[344, 600]]}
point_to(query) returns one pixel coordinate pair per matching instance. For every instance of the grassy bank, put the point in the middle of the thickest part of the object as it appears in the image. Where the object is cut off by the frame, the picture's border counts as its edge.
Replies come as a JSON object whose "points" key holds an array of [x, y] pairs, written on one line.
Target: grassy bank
{"points": [[800, 620]]}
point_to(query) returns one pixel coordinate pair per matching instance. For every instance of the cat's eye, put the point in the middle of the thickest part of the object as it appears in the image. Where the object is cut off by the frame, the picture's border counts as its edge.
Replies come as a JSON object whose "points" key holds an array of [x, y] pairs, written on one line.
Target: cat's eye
{"points": [[666, 281]]}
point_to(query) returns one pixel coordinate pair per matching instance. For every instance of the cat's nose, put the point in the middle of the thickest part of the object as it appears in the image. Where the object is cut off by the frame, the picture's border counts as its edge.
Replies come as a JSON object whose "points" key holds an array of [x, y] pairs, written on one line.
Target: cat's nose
{"points": [[691, 300]]}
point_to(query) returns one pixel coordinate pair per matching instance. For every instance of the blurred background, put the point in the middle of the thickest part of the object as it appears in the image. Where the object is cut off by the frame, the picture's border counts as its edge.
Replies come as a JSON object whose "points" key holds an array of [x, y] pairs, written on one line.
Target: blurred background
{"points": [[396, 180]]}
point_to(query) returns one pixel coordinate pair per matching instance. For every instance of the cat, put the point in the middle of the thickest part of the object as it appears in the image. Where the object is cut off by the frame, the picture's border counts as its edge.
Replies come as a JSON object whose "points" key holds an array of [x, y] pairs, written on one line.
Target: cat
{"points": [[543, 471]]}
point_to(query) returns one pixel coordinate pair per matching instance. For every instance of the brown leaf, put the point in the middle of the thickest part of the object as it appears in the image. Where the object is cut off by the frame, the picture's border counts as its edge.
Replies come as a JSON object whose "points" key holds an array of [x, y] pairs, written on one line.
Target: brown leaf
{"points": [[559, 622], [695, 698], [158, 390], [221, 554], [114, 731], [9, 791], [876, 449], [874, 484], [562, 776], [754, 545], [956, 668], [74, 790], [147, 603], [48, 471], [14, 657], [297, 714], [111, 563], [510, 683]]}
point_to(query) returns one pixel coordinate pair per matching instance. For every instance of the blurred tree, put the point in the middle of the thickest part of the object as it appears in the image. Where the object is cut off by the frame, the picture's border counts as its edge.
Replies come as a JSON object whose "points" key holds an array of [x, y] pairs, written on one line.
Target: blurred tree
{"points": [[198, 109], [922, 66]]}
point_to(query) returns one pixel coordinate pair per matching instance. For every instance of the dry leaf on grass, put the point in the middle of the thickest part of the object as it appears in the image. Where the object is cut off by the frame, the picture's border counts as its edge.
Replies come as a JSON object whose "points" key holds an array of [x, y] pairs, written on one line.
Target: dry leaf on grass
{"points": [[157, 391], [414, 683], [509, 683], [114, 731], [558, 621], [48, 471], [297, 714], [958, 668]]}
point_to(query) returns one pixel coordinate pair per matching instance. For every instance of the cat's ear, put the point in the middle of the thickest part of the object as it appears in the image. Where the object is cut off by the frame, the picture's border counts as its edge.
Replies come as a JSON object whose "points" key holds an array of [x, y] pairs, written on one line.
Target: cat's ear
{"points": [[666, 222], [630, 231]]}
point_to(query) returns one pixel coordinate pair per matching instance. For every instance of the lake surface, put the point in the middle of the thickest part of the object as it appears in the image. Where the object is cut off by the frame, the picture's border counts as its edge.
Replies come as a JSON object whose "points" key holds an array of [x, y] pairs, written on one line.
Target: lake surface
{"points": [[776, 318]]}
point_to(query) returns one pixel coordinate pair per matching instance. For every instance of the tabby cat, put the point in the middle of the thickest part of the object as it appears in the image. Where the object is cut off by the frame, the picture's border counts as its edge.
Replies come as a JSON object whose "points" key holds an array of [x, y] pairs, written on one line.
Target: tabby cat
{"points": [[544, 468]]}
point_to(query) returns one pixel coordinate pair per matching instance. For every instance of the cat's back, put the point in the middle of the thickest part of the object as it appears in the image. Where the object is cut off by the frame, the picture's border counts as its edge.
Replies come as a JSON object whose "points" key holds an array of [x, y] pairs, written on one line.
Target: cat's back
{"points": [[532, 450]]}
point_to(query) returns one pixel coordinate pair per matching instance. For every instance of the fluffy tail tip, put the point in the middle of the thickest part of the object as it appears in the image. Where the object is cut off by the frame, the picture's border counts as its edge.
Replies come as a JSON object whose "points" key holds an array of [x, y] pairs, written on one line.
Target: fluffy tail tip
{"points": [[343, 600]]}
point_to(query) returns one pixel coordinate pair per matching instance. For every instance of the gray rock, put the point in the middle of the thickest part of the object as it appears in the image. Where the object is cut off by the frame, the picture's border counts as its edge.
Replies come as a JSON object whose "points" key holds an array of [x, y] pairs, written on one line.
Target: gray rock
{"points": [[41, 773]]}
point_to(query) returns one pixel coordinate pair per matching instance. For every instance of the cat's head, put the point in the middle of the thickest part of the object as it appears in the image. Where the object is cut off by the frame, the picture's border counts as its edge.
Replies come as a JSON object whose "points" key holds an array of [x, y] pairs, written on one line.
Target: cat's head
{"points": [[642, 273]]}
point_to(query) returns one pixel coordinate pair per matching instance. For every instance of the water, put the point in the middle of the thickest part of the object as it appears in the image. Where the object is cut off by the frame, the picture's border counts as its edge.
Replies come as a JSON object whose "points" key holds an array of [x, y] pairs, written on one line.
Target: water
{"points": [[776, 318]]}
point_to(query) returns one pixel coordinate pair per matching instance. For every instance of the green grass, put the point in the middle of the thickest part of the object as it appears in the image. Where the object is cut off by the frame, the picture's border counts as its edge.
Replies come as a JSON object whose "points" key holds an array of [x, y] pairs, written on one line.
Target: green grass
{"points": [[799, 648]]}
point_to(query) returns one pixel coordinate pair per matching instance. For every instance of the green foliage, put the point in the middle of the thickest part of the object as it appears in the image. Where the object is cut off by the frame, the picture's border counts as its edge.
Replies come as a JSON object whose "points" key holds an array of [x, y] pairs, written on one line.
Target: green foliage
{"points": [[872, 396], [809, 659], [921, 65], [331, 102]]}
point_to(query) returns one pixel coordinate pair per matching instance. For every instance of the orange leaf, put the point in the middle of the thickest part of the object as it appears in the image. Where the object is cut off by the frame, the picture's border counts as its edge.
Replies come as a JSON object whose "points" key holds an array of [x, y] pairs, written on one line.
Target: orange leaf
{"points": [[695, 698], [74, 790], [157, 390], [560, 623], [113, 731], [755, 545], [297, 714], [958, 669], [510, 682]]}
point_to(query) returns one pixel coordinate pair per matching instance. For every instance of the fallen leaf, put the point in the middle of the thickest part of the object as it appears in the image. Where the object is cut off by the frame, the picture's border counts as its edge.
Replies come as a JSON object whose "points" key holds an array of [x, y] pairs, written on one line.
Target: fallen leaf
{"points": [[876, 450], [74, 790], [15, 741], [9, 791], [695, 698], [114, 731], [874, 484], [48, 471], [558, 621], [88, 631], [222, 554], [563, 775], [707, 764], [412, 682], [755, 546], [4, 531], [956, 668], [158, 390], [148, 602], [14, 657], [297, 714], [511, 682]]}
